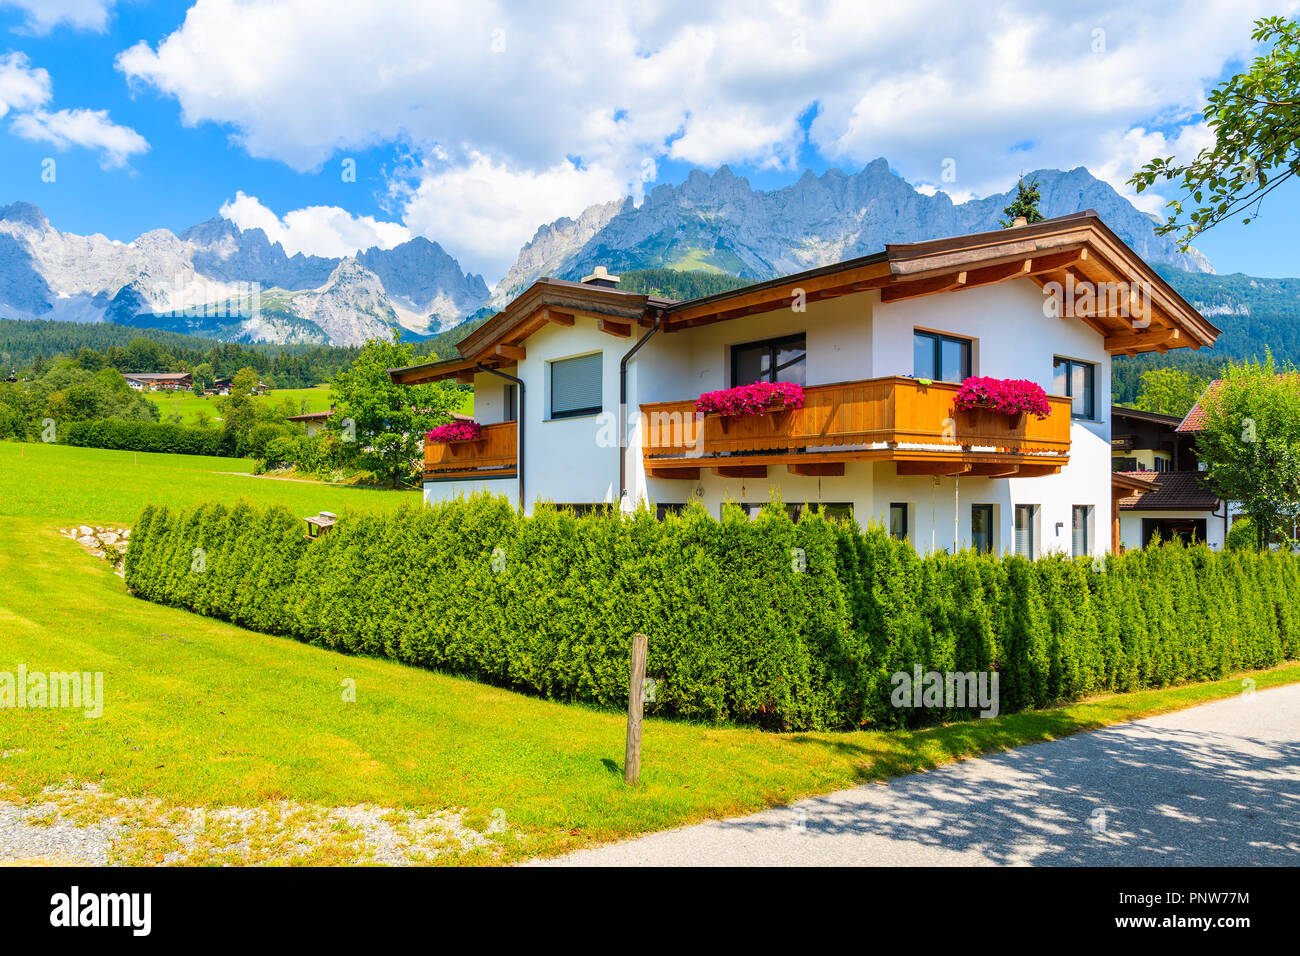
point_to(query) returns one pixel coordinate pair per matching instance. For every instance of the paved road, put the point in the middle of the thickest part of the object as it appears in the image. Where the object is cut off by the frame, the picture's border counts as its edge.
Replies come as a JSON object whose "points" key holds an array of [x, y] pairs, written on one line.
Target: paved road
{"points": [[1217, 784]]}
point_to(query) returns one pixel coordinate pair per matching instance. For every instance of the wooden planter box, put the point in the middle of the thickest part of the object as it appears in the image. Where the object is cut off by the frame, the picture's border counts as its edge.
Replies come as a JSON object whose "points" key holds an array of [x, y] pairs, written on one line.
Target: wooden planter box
{"points": [[771, 408]]}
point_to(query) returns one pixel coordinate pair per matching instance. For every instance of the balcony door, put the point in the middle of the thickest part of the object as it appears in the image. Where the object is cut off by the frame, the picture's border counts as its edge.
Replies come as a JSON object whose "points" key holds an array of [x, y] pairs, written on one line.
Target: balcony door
{"points": [[773, 360]]}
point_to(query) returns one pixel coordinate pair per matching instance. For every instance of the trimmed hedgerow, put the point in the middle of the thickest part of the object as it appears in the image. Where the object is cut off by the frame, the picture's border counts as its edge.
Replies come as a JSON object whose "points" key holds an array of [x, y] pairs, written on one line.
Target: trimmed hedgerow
{"points": [[149, 436], [783, 625]]}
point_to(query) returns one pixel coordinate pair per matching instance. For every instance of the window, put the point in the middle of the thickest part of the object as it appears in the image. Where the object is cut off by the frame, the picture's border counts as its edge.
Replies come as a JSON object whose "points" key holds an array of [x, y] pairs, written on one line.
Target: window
{"points": [[981, 528], [943, 358], [1076, 380], [776, 360], [663, 511], [898, 520], [575, 386], [511, 403], [1025, 530], [1079, 530]]}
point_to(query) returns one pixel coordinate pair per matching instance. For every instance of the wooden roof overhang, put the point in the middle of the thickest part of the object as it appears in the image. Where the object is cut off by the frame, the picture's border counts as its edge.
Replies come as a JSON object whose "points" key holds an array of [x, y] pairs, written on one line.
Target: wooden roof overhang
{"points": [[1070, 250], [1074, 251], [499, 342]]}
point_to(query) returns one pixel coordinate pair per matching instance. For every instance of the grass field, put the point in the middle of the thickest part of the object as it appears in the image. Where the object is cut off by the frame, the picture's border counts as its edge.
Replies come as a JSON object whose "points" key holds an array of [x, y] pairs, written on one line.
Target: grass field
{"points": [[97, 485], [305, 400], [201, 714], [188, 405]]}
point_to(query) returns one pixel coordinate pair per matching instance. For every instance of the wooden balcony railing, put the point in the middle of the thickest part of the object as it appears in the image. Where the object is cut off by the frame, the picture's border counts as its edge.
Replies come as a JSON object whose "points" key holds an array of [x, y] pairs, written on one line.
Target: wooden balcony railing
{"points": [[494, 455], [906, 419]]}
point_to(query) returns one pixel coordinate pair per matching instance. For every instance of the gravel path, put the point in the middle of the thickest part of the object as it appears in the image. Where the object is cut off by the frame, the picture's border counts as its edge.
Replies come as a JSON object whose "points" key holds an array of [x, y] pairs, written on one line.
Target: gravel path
{"points": [[1215, 785]]}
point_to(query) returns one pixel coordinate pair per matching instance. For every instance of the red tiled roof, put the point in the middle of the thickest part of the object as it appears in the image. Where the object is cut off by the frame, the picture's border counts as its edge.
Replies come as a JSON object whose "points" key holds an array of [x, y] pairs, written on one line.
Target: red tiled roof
{"points": [[1175, 491], [1195, 419]]}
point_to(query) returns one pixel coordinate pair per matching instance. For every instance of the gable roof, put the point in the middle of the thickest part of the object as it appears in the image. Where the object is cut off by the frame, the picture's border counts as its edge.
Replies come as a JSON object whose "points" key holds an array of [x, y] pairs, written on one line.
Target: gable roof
{"points": [[1067, 250]]}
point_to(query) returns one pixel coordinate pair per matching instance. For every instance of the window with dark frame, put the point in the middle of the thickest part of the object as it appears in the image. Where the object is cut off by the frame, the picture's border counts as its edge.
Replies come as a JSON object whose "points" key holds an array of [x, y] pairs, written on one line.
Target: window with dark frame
{"points": [[898, 520], [941, 358], [772, 360], [1078, 381], [981, 528], [511, 403], [576, 386]]}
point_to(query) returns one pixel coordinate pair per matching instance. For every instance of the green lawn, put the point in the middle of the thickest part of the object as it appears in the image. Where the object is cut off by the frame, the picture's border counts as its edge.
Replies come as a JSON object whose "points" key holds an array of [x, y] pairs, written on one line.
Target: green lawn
{"points": [[188, 405], [97, 485], [199, 713]]}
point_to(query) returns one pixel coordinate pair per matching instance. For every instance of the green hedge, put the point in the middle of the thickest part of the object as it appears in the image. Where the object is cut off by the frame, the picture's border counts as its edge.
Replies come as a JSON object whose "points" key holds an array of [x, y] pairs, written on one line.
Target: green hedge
{"points": [[149, 436], [788, 626]]}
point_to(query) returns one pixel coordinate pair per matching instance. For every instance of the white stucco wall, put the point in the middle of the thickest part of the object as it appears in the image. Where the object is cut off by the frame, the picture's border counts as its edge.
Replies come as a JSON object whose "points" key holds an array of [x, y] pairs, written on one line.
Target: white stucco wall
{"points": [[1130, 526]]}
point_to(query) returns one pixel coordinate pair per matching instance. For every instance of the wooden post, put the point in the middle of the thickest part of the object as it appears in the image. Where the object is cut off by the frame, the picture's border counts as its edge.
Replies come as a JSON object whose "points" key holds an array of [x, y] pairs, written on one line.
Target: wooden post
{"points": [[635, 689]]}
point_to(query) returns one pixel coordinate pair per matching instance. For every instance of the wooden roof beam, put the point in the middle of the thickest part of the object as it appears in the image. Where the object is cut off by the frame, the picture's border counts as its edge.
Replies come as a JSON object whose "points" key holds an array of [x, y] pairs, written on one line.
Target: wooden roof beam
{"points": [[920, 287], [610, 327], [818, 469], [516, 352], [1153, 338]]}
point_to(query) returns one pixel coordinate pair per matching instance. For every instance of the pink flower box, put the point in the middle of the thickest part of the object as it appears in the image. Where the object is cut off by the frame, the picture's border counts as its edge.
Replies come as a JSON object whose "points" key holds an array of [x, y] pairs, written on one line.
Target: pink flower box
{"points": [[1007, 396], [745, 400], [454, 432]]}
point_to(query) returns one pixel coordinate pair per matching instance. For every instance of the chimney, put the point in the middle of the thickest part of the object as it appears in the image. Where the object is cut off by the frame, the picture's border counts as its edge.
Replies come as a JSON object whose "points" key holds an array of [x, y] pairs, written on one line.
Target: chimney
{"points": [[600, 277], [1020, 221]]}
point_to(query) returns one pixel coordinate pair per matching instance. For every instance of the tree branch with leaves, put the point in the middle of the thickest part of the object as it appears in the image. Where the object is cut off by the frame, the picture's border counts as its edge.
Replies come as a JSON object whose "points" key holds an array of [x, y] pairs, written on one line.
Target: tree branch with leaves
{"points": [[1255, 118]]}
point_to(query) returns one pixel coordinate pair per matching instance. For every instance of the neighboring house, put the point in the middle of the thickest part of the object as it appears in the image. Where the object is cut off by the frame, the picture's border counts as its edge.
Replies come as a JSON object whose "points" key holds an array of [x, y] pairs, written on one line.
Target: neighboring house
{"points": [[1192, 424], [156, 381], [222, 386], [1177, 502], [879, 344], [314, 421]]}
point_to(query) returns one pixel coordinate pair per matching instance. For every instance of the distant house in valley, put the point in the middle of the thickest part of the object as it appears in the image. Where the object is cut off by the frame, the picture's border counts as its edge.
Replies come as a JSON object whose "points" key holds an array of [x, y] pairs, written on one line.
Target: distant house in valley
{"points": [[222, 386], [1176, 501], [314, 421], [159, 381]]}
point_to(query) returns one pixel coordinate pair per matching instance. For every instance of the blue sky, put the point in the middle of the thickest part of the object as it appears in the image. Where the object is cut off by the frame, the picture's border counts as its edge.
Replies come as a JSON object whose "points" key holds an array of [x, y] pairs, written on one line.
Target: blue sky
{"points": [[475, 123]]}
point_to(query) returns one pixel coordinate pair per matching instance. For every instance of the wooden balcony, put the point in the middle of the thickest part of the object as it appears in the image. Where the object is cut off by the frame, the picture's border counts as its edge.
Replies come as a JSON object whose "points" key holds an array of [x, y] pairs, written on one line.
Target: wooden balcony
{"points": [[881, 419], [494, 455]]}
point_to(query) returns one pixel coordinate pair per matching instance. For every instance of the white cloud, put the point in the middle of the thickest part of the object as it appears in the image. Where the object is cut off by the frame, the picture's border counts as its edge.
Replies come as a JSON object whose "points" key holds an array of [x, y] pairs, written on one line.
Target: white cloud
{"points": [[44, 15], [514, 110], [21, 86], [485, 210], [315, 230], [89, 128]]}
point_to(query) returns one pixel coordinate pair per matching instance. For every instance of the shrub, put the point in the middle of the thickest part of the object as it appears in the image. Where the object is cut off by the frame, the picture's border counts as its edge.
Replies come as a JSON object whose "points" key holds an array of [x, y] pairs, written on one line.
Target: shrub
{"points": [[148, 436], [1241, 535], [768, 622]]}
